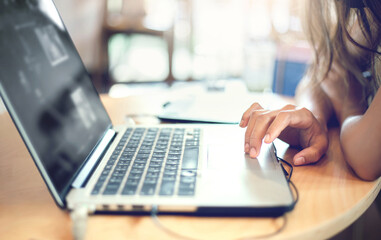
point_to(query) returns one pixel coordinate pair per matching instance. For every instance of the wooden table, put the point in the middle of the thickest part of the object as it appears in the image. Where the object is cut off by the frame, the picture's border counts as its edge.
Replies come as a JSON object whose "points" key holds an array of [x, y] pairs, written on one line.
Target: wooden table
{"points": [[331, 197]]}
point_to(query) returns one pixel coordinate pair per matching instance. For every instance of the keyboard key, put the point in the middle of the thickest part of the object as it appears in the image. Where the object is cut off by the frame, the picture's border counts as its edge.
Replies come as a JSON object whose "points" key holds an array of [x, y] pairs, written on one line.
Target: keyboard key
{"points": [[106, 172], [146, 147], [144, 151], [141, 160], [186, 192], [175, 152], [190, 158], [148, 189], [121, 167], [170, 171], [98, 186], [150, 180], [130, 149], [116, 179], [108, 167], [95, 191], [102, 178], [155, 164], [133, 143], [135, 175], [157, 159], [129, 189], [143, 155], [111, 162], [119, 147], [187, 180], [154, 169], [110, 192], [188, 173], [175, 148], [137, 170], [140, 146], [176, 144], [152, 175], [191, 143], [186, 189], [167, 188], [131, 181], [171, 167], [169, 178], [160, 151], [119, 173], [128, 155], [160, 146], [163, 141], [173, 162], [123, 162], [136, 137], [139, 165], [174, 157], [111, 188]]}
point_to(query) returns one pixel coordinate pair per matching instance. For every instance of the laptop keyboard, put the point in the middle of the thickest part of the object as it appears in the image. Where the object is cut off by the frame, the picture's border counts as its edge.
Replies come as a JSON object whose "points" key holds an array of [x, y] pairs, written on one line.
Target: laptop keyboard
{"points": [[152, 161]]}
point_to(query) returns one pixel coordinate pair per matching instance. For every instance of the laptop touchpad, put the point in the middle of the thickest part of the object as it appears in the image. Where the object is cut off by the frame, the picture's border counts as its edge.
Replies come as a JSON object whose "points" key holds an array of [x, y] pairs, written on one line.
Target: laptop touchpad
{"points": [[233, 157]]}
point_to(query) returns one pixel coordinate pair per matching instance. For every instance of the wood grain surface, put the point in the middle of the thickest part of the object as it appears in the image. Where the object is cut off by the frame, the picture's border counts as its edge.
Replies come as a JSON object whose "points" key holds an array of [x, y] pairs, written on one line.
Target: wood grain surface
{"points": [[331, 196]]}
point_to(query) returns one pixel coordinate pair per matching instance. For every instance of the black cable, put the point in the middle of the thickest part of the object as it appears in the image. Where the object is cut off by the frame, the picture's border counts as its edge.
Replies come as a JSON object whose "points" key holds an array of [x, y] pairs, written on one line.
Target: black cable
{"points": [[288, 174], [296, 192], [269, 234], [289, 165], [169, 231]]}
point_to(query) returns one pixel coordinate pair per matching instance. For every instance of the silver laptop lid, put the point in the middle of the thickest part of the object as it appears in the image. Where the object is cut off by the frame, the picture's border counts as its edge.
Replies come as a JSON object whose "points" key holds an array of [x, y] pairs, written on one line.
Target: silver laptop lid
{"points": [[48, 91]]}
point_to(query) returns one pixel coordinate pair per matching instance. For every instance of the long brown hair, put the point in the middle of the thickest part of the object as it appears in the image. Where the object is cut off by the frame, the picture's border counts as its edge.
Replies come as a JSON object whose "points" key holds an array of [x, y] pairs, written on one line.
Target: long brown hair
{"points": [[327, 25]]}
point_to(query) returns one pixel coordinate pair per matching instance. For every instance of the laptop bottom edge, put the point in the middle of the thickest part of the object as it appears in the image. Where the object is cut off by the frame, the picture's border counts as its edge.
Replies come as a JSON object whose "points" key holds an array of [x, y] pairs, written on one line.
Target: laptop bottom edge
{"points": [[208, 212]]}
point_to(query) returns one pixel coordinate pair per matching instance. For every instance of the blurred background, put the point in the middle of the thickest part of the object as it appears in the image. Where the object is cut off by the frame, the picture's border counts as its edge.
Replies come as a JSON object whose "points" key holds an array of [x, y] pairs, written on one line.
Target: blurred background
{"points": [[135, 44], [133, 47]]}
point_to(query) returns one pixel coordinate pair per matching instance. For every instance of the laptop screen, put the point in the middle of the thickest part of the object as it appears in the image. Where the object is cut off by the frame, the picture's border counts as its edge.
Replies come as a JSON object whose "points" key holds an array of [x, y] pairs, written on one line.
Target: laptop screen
{"points": [[47, 90]]}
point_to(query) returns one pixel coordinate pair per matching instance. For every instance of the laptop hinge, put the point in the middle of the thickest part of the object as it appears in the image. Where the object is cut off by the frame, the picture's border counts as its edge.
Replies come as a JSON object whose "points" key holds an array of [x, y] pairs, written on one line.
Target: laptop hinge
{"points": [[93, 159]]}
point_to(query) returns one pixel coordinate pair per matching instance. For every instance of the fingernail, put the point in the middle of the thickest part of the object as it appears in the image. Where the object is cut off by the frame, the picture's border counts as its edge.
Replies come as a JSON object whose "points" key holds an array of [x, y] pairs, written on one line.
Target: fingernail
{"points": [[300, 161], [267, 138], [253, 153], [241, 123], [247, 148]]}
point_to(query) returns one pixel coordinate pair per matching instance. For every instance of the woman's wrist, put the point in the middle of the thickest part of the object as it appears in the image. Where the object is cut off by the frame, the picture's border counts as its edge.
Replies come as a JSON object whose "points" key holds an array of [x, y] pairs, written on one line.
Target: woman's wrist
{"points": [[323, 122]]}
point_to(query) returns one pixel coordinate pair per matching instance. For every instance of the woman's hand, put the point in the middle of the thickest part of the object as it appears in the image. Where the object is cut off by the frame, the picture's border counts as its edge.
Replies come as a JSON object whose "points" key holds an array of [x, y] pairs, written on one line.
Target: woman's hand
{"points": [[297, 126]]}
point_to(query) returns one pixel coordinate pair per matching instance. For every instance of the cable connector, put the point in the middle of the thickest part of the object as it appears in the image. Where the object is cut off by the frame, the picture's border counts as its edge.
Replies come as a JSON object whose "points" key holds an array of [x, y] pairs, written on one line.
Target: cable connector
{"points": [[79, 221]]}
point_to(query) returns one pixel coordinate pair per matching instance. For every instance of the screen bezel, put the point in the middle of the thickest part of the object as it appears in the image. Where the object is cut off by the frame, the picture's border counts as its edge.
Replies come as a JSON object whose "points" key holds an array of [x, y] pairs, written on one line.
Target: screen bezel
{"points": [[59, 197]]}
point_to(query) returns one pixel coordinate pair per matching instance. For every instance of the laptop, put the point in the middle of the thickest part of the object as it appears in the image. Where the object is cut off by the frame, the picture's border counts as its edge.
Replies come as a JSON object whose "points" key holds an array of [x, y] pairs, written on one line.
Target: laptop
{"points": [[86, 161], [203, 109]]}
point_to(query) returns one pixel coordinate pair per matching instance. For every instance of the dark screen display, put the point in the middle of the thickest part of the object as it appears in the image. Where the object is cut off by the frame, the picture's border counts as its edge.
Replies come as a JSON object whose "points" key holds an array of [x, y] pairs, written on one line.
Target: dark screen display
{"points": [[48, 89]]}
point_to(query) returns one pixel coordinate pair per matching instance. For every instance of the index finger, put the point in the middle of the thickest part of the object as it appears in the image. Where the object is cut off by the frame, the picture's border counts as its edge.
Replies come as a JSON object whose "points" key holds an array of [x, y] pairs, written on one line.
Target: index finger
{"points": [[300, 119], [246, 115]]}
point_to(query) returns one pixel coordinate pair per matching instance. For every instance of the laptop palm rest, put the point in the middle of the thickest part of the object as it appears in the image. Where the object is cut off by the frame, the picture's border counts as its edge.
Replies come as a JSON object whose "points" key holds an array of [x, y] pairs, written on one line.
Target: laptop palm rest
{"points": [[236, 179]]}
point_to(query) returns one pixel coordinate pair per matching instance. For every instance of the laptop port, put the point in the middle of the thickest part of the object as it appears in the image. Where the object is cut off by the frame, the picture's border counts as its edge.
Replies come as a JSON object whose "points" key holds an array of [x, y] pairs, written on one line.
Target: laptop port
{"points": [[138, 208]]}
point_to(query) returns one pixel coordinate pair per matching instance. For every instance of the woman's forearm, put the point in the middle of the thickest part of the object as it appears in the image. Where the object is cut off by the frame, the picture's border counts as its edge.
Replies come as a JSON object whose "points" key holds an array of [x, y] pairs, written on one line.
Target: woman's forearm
{"points": [[360, 139]]}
